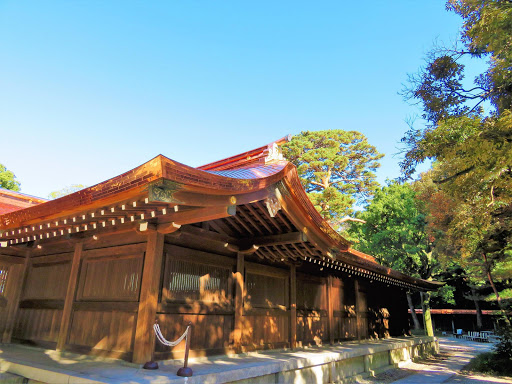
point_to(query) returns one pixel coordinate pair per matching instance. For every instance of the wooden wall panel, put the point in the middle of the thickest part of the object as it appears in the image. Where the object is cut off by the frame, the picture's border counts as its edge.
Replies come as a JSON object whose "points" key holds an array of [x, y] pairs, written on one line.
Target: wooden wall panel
{"points": [[363, 326], [337, 294], [9, 299], [47, 281], [210, 333], [38, 324], [103, 330], [6, 293], [312, 314], [362, 309], [265, 331], [312, 327], [348, 327]]}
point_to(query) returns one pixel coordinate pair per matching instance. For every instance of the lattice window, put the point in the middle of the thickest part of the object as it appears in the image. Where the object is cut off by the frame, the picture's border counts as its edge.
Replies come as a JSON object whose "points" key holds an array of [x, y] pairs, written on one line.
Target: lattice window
{"points": [[190, 281], [111, 279], [263, 291], [4, 270]]}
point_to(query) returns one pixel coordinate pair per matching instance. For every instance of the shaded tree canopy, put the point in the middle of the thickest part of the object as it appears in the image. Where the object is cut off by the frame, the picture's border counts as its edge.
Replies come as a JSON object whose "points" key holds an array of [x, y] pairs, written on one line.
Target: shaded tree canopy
{"points": [[8, 179], [336, 168], [471, 147], [441, 90]]}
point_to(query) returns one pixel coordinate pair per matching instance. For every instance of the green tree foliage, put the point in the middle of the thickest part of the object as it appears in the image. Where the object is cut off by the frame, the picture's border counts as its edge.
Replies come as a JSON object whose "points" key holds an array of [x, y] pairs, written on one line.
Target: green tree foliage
{"points": [[336, 168], [66, 191], [395, 232], [440, 211], [8, 179], [472, 148]]}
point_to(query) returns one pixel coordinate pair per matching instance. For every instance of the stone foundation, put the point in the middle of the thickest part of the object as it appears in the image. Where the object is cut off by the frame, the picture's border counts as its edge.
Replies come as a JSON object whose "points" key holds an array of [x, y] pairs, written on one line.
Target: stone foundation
{"points": [[345, 366]]}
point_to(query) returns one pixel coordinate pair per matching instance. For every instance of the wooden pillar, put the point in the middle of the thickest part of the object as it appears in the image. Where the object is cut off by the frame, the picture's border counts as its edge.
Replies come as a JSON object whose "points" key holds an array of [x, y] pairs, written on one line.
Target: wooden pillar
{"points": [[330, 309], [239, 301], [358, 309], [293, 306], [70, 295], [16, 283], [144, 344]]}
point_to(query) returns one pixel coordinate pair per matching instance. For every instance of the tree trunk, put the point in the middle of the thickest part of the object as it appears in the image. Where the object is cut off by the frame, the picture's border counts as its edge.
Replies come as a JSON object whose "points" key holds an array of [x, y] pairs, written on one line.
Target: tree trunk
{"points": [[498, 298], [427, 318], [415, 320], [479, 324]]}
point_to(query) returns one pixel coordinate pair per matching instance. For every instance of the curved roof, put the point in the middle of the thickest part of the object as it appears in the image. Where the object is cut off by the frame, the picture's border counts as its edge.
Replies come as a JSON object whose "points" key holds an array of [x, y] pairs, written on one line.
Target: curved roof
{"points": [[201, 194], [11, 201]]}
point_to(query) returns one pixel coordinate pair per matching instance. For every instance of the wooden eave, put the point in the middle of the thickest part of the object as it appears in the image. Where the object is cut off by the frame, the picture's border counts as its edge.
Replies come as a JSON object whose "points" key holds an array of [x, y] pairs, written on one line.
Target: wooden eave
{"points": [[164, 194], [11, 201]]}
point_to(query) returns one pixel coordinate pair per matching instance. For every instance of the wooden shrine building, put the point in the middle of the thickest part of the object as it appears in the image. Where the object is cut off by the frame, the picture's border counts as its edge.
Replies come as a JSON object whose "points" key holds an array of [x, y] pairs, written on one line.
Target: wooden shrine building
{"points": [[234, 246]]}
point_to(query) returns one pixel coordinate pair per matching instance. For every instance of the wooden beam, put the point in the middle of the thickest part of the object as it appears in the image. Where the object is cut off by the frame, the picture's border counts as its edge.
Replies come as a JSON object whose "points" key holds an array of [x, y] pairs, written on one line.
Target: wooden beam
{"points": [[16, 279], [330, 311], [281, 239], [270, 252], [234, 224], [19, 250], [300, 218], [201, 214], [250, 250], [244, 225], [358, 305], [222, 227], [12, 259], [258, 217], [204, 235], [293, 306], [239, 301], [144, 336], [207, 234], [267, 215], [70, 295], [231, 247], [283, 256], [248, 218], [184, 197], [168, 228]]}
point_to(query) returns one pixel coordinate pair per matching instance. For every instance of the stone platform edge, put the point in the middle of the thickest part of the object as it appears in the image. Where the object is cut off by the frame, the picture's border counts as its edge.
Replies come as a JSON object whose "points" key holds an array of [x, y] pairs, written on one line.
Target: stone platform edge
{"points": [[340, 363], [329, 366]]}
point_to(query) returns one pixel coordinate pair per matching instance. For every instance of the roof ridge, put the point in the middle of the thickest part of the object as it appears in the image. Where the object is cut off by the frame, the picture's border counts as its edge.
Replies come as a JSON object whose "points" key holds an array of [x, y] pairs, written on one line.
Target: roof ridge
{"points": [[248, 158]]}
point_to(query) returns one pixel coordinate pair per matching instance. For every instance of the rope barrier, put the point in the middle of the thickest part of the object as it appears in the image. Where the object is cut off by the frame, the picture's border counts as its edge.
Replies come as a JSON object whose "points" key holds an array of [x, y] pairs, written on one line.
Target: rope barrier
{"points": [[184, 371], [168, 343]]}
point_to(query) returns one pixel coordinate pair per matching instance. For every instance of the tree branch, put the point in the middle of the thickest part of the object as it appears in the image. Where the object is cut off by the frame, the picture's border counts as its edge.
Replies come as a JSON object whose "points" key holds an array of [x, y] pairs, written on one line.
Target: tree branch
{"points": [[347, 218], [317, 183], [454, 176]]}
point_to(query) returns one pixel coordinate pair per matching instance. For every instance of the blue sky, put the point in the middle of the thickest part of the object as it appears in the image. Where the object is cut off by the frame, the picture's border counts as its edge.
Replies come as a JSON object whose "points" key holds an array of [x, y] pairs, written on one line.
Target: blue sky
{"points": [[91, 89]]}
